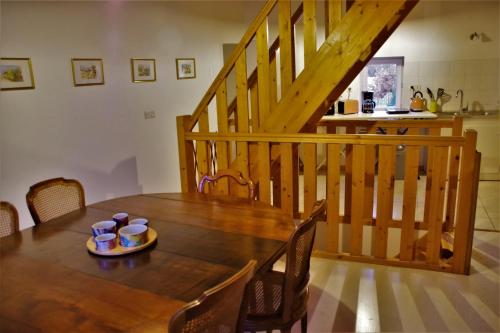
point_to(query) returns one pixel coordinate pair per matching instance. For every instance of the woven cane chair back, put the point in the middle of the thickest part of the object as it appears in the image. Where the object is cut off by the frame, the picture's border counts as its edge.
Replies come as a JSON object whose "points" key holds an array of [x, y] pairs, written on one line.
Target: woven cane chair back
{"points": [[281, 295], [9, 219], [229, 173], [218, 310], [54, 197], [300, 247]]}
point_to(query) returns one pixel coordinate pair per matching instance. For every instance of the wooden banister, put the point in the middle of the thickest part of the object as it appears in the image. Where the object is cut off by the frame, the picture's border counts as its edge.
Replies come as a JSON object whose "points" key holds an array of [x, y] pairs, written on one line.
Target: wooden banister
{"points": [[228, 66], [395, 140], [252, 79], [413, 252]]}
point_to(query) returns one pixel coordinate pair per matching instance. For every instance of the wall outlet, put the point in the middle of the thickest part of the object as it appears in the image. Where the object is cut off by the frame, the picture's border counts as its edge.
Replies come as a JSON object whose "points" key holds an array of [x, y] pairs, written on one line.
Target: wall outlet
{"points": [[149, 114]]}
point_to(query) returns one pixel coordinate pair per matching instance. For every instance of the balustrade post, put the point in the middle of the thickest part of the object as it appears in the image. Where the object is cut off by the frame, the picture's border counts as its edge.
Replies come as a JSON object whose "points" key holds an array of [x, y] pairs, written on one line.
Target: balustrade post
{"points": [[467, 200], [186, 155]]}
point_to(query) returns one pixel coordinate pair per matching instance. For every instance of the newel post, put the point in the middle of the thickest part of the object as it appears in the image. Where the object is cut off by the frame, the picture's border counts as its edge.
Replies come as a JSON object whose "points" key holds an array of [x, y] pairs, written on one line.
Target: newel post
{"points": [[186, 155], [466, 208]]}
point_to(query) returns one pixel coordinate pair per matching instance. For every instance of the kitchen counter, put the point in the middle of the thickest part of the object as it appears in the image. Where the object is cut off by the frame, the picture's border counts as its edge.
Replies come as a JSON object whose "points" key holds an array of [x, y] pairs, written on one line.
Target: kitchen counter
{"points": [[469, 114], [380, 115]]}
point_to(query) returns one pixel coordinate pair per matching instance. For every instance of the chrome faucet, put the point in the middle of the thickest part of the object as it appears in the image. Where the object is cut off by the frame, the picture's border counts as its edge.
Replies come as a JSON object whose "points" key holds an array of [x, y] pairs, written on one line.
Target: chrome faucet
{"points": [[462, 109]]}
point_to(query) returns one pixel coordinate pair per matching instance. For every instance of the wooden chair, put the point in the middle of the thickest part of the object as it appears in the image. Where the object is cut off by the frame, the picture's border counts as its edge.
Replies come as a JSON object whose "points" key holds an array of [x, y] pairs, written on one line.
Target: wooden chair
{"points": [[54, 197], [277, 300], [230, 173], [9, 219], [220, 309]]}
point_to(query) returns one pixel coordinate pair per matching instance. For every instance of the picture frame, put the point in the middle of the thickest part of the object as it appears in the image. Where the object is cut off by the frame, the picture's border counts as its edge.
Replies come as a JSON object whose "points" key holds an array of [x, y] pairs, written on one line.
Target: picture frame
{"points": [[186, 68], [16, 74], [143, 70], [87, 71]]}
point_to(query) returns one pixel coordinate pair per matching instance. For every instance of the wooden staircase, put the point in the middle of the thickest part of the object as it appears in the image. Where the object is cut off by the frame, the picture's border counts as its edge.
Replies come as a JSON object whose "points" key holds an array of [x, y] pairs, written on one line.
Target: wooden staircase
{"points": [[275, 113], [352, 40]]}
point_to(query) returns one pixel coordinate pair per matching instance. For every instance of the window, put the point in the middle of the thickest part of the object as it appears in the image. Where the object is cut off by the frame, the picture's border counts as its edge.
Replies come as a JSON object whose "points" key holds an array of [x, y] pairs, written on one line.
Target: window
{"points": [[383, 76]]}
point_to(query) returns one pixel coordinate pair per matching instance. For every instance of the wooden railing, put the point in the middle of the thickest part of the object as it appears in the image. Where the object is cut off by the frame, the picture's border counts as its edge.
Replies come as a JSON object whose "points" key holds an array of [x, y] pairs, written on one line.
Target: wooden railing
{"points": [[435, 127], [345, 234]]}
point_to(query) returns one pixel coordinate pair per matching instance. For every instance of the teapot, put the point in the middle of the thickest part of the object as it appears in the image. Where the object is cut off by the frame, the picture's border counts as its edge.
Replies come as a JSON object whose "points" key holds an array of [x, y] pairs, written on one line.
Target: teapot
{"points": [[418, 103]]}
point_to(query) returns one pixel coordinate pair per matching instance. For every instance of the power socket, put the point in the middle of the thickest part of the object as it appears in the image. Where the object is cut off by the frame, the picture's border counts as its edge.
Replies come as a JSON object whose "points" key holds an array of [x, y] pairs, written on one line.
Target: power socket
{"points": [[149, 114]]}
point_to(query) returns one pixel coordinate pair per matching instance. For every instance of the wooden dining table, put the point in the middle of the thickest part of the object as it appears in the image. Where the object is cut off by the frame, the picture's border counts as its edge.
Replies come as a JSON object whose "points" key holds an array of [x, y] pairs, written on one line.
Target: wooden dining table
{"points": [[50, 282]]}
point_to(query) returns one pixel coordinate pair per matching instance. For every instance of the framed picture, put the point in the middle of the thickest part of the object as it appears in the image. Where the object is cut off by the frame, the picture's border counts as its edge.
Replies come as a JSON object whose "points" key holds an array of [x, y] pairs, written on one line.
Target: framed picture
{"points": [[87, 72], [143, 70], [16, 73], [186, 68]]}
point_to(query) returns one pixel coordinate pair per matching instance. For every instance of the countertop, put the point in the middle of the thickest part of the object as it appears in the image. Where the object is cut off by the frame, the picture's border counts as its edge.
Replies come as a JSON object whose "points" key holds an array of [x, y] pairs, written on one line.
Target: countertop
{"points": [[381, 115]]}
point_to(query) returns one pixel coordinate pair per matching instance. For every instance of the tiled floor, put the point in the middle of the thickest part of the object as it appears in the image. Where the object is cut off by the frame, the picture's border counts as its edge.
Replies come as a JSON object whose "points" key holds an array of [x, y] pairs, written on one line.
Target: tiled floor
{"points": [[356, 297], [487, 211]]}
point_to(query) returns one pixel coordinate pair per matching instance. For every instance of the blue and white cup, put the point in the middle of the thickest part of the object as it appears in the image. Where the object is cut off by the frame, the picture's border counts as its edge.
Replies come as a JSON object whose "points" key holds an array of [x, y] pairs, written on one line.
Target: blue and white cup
{"points": [[121, 220], [105, 242], [139, 220], [103, 227]]}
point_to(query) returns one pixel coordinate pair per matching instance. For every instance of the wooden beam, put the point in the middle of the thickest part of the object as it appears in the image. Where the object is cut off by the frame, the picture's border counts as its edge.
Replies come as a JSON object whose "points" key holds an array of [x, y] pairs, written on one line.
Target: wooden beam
{"points": [[408, 234], [254, 107], [465, 215], [453, 176], [333, 15], [333, 197], [203, 158], [385, 194], [393, 140], [435, 222], [263, 68], [310, 177], [186, 155], [357, 198], [222, 127], [286, 48], [351, 129], [309, 31], [286, 178], [264, 172], [242, 124], [228, 66]]}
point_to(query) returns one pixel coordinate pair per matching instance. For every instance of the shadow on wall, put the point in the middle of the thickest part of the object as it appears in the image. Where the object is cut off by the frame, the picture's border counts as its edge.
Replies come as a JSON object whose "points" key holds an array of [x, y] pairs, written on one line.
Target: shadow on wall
{"points": [[122, 180]]}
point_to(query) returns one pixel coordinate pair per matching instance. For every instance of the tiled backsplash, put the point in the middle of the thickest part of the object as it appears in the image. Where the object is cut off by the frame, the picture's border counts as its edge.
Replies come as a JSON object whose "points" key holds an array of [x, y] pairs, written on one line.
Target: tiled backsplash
{"points": [[478, 79]]}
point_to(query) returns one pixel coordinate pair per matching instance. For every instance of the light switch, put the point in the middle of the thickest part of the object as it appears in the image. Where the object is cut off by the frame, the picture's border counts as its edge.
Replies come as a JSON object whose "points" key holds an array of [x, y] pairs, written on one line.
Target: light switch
{"points": [[149, 114]]}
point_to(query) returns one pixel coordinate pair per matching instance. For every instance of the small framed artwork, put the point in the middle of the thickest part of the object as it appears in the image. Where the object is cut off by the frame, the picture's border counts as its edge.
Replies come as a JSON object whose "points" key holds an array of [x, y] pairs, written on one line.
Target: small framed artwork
{"points": [[143, 70], [16, 73], [186, 68], [87, 72]]}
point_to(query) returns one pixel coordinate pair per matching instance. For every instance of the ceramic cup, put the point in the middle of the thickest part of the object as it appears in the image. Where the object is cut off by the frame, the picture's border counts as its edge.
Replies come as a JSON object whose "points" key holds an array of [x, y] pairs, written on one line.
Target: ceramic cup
{"points": [[140, 220], [105, 242], [103, 227], [133, 235], [121, 220]]}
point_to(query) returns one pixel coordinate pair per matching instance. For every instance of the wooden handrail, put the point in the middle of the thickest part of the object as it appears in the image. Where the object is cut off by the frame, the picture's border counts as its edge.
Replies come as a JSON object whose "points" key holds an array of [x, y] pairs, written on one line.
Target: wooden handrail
{"points": [[427, 140], [228, 66]]}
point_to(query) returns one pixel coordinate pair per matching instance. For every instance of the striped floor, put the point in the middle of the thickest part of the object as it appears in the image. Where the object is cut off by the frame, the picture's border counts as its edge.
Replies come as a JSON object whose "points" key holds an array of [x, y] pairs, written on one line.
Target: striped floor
{"points": [[355, 297]]}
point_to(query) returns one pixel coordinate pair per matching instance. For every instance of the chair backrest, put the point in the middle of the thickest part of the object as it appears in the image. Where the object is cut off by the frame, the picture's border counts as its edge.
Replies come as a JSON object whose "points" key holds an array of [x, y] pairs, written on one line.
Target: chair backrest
{"points": [[234, 174], [9, 219], [298, 257], [220, 309], [54, 197]]}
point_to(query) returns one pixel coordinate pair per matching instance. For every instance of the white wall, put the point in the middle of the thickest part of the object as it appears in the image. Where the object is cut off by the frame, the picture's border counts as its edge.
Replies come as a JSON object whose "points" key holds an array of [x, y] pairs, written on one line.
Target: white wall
{"points": [[434, 39], [98, 134]]}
